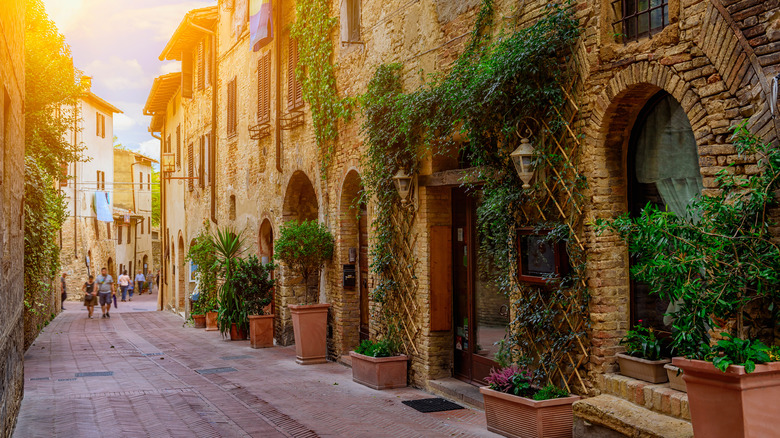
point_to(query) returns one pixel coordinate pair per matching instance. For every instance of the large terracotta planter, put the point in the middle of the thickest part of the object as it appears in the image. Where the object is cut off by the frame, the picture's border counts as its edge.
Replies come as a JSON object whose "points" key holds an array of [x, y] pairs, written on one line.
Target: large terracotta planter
{"points": [[211, 321], [735, 403], [261, 331], [379, 372], [675, 375], [520, 417], [648, 370], [199, 321], [310, 326], [237, 334]]}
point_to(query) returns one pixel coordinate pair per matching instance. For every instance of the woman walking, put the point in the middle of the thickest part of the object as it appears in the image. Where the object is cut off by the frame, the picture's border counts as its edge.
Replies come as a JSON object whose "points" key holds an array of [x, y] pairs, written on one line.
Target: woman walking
{"points": [[124, 282], [90, 295]]}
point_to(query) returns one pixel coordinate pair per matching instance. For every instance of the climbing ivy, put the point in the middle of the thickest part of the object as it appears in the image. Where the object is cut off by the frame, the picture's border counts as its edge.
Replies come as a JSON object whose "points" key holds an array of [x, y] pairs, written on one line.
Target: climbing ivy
{"points": [[503, 83], [313, 28]]}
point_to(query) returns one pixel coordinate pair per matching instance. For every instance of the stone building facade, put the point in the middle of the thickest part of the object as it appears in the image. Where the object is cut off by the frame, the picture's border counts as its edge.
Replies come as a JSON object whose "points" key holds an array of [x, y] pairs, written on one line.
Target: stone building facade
{"points": [[11, 220], [714, 60], [86, 243]]}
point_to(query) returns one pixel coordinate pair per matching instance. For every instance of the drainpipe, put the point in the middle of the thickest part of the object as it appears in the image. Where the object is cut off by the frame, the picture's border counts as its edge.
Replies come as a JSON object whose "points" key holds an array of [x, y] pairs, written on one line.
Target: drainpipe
{"points": [[278, 59], [213, 137], [135, 241]]}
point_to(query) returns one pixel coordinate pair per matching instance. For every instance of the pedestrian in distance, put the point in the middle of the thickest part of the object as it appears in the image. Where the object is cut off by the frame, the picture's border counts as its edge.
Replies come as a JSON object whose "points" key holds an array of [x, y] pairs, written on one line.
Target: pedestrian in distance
{"points": [[140, 279], [106, 289], [90, 295], [64, 286], [124, 282], [130, 289]]}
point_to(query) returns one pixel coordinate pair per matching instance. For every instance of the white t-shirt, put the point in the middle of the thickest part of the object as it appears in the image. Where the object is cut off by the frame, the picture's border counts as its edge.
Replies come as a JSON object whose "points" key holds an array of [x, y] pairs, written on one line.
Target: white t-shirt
{"points": [[124, 280]]}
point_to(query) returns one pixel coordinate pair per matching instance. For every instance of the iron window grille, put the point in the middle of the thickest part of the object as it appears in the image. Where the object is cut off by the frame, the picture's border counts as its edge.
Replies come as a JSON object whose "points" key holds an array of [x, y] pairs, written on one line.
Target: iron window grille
{"points": [[640, 18]]}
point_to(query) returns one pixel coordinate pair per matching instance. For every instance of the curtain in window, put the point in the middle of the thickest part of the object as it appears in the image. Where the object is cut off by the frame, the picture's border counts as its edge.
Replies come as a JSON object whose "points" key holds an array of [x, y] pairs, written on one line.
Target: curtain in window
{"points": [[668, 157]]}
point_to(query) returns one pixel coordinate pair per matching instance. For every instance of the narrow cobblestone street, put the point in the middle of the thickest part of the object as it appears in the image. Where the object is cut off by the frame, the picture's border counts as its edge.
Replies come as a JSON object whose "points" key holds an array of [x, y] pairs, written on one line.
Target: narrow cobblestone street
{"points": [[144, 382]]}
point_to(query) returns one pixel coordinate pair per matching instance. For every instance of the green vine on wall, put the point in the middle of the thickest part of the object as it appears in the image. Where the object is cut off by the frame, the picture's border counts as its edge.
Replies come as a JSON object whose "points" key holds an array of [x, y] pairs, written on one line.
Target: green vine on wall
{"points": [[502, 84], [313, 28]]}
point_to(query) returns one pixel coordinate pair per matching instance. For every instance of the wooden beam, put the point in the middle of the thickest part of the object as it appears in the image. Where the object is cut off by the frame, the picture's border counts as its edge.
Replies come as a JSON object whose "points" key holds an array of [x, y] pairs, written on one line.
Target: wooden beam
{"points": [[453, 177]]}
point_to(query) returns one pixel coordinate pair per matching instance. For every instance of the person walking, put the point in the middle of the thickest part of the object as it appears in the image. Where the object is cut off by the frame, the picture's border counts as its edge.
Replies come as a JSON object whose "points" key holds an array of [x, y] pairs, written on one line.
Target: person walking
{"points": [[90, 295], [140, 279], [106, 288], [64, 286], [124, 282], [130, 288]]}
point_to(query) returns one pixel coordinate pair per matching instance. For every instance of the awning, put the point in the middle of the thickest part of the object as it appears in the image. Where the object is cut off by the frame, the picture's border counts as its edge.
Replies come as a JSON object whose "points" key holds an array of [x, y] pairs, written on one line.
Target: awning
{"points": [[190, 32], [163, 90]]}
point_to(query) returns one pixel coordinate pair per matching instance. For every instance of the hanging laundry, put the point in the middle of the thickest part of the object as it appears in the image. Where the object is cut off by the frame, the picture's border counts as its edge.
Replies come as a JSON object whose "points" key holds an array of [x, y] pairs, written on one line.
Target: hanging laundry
{"points": [[261, 26], [103, 206]]}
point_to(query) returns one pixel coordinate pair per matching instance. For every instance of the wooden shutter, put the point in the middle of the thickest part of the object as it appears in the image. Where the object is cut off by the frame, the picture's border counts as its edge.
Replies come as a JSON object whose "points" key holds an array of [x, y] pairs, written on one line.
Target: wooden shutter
{"points": [[128, 234], [168, 144], [201, 67], [103, 126], [264, 88], [231, 116], [97, 124], [202, 161], [186, 75], [190, 165], [178, 147], [441, 278], [119, 238], [294, 88]]}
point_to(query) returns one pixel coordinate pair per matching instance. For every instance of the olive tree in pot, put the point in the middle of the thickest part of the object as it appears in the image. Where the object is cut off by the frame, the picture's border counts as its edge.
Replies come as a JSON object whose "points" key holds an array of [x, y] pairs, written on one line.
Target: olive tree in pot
{"points": [[253, 283], [203, 255], [378, 364], [304, 248], [233, 316], [717, 270]]}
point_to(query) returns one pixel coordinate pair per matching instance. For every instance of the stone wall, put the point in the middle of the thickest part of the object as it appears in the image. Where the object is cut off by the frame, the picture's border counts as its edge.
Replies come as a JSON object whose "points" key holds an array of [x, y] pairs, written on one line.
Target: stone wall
{"points": [[11, 206]]}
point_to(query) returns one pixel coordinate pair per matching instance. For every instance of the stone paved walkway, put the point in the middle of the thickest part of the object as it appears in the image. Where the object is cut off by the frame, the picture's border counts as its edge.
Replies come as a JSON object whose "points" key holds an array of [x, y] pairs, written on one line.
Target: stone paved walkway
{"points": [[135, 375]]}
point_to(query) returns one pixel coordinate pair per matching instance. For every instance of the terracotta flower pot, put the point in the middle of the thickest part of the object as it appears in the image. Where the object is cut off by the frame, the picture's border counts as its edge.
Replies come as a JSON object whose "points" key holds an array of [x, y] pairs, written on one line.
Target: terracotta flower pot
{"points": [[521, 417], [261, 331], [199, 321], [379, 372], [675, 375], [236, 334], [734, 403], [211, 321], [310, 326], [648, 370]]}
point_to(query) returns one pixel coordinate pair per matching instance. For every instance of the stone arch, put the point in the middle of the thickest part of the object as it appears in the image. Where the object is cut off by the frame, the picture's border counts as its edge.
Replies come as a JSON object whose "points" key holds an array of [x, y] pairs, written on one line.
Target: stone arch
{"points": [[265, 241], [300, 199], [110, 266], [352, 251], [145, 265]]}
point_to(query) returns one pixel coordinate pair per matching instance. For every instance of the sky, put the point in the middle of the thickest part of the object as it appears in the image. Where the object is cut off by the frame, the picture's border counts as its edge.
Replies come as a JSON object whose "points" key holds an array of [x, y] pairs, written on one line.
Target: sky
{"points": [[117, 43]]}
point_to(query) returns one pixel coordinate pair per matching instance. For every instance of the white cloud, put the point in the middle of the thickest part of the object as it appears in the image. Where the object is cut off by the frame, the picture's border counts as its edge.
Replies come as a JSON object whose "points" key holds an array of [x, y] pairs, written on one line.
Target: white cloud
{"points": [[150, 148], [123, 122], [170, 67], [117, 74]]}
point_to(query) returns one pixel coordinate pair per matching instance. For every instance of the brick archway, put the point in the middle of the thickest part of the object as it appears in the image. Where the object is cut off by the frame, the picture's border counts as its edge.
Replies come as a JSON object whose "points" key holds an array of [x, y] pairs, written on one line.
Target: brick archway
{"points": [[300, 199]]}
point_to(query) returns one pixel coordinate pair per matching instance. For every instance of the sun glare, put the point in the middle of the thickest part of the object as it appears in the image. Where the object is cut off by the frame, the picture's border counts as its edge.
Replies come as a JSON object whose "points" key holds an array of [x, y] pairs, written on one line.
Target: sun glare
{"points": [[63, 12]]}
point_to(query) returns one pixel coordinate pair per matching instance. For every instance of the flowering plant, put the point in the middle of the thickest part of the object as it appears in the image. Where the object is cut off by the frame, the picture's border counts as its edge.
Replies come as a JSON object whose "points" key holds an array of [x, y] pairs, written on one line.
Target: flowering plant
{"points": [[517, 381]]}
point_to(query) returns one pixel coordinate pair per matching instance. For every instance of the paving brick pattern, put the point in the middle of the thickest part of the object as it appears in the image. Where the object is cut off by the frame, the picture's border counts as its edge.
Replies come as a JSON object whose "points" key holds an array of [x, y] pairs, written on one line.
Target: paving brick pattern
{"points": [[153, 388]]}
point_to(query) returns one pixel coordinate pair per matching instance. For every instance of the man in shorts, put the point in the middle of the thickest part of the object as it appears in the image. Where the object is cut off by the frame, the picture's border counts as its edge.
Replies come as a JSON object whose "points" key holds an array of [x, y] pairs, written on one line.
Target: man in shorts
{"points": [[106, 289]]}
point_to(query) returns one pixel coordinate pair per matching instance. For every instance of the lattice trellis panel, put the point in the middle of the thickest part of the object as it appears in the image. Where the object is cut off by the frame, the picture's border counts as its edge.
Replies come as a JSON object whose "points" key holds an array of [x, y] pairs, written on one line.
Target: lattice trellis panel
{"points": [[560, 358]]}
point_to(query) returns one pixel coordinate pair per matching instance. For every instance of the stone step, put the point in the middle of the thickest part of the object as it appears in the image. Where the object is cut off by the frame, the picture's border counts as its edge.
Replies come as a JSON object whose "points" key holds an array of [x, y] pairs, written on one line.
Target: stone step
{"points": [[457, 391], [607, 416], [656, 397]]}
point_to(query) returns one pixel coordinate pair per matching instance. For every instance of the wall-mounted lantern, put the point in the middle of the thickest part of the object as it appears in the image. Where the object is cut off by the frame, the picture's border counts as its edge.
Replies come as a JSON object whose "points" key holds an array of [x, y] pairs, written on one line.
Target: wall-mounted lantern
{"points": [[403, 183], [168, 166], [521, 157]]}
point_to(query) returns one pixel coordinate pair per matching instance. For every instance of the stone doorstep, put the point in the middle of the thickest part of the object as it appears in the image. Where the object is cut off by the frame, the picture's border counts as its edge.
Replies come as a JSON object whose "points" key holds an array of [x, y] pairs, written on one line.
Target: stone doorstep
{"points": [[655, 397], [457, 391], [607, 416]]}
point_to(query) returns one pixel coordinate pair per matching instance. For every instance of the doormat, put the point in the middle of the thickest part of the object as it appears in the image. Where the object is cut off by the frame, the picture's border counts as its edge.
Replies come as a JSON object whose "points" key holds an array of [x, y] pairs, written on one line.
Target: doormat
{"points": [[96, 374], [432, 405], [216, 370]]}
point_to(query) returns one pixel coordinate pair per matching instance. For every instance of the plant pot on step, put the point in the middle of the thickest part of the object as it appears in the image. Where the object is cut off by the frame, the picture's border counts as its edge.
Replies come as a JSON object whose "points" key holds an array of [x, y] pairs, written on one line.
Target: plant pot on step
{"points": [[261, 331], [675, 375], [211, 321], [199, 321], [519, 417], [379, 372], [648, 370], [734, 403], [310, 326], [237, 334]]}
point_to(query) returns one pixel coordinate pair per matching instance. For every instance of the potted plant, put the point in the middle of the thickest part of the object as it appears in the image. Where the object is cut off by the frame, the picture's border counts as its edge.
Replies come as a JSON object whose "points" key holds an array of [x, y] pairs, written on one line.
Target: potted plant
{"points": [[197, 315], [233, 317], [203, 255], [378, 365], [717, 265], [510, 395], [254, 284], [643, 358], [303, 248]]}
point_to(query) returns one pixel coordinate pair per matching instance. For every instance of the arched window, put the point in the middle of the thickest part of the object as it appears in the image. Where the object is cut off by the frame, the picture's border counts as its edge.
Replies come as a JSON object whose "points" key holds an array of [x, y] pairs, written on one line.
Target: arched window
{"points": [[663, 170]]}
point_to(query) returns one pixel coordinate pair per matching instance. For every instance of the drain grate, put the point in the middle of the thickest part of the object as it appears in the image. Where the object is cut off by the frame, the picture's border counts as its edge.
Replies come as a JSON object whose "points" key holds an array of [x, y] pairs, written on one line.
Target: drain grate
{"points": [[153, 354], [216, 370], [72, 379], [432, 405], [39, 378], [243, 356], [96, 374]]}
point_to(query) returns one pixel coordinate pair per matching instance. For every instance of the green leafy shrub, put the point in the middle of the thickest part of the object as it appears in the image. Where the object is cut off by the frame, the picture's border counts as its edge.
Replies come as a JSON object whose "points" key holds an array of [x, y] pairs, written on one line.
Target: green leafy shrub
{"points": [[304, 247], [518, 381], [735, 351], [254, 284], [549, 392], [642, 342], [380, 348], [232, 310], [203, 254]]}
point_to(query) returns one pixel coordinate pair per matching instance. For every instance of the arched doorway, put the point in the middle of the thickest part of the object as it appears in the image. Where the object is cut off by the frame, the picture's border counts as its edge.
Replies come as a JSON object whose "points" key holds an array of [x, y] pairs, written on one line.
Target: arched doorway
{"points": [[110, 266], [146, 265], [662, 169], [353, 256], [181, 292], [265, 242]]}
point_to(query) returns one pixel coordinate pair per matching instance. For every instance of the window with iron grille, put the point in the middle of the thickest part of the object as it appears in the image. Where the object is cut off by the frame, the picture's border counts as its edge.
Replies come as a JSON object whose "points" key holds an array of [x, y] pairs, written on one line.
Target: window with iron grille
{"points": [[231, 108], [190, 167], [294, 88], [641, 18], [264, 88]]}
